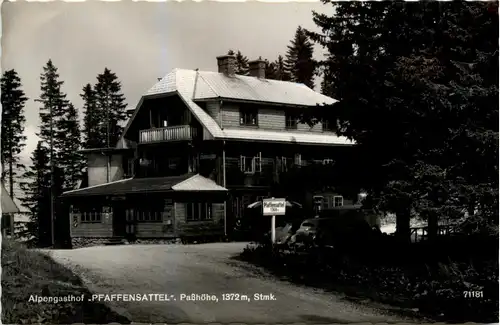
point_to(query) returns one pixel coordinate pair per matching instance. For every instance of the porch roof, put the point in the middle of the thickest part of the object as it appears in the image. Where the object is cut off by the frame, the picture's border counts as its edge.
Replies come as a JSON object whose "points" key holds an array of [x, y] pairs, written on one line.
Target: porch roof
{"points": [[187, 182]]}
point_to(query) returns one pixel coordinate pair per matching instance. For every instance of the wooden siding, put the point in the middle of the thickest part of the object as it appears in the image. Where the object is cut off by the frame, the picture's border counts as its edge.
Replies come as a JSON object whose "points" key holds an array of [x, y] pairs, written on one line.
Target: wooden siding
{"points": [[97, 168], [230, 115], [199, 228], [98, 230], [269, 118], [213, 109], [150, 229]]}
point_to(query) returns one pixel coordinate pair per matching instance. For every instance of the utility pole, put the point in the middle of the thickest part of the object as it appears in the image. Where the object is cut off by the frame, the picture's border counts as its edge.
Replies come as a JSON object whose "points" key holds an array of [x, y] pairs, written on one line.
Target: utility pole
{"points": [[51, 178]]}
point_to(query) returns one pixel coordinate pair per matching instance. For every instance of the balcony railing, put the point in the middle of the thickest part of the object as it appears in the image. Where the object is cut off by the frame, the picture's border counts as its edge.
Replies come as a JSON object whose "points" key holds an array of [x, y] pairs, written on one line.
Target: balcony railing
{"points": [[171, 133]]}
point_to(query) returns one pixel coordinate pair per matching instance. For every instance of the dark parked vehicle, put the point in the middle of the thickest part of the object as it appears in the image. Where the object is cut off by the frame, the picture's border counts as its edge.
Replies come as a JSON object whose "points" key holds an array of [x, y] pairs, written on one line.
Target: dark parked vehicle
{"points": [[335, 232]]}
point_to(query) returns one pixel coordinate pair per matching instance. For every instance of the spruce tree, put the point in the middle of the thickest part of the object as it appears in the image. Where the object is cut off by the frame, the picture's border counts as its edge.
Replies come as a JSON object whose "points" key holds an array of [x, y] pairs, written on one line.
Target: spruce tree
{"points": [[299, 60], [110, 105], [281, 70], [241, 68], [68, 140], [36, 188], [270, 70], [91, 118], [13, 121]]}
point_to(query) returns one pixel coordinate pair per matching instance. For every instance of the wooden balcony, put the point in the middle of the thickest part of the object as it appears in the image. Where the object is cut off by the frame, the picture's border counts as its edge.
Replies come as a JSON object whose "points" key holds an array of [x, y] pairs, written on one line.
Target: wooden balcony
{"points": [[171, 133]]}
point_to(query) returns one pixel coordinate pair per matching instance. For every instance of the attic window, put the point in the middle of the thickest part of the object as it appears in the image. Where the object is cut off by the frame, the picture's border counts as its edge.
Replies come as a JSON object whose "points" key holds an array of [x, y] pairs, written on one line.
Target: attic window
{"points": [[248, 116]]}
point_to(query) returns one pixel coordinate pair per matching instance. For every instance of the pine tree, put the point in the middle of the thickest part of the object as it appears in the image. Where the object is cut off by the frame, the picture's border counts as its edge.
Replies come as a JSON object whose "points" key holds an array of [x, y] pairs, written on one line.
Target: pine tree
{"points": [[91, 118], [110, 103], [36, 187], [69, 143], [299, 60], [13, 120]]}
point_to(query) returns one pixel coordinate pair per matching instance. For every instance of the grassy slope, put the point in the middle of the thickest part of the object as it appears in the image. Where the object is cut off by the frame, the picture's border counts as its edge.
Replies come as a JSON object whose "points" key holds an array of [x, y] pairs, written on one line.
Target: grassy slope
{"points": [[26, 273]]}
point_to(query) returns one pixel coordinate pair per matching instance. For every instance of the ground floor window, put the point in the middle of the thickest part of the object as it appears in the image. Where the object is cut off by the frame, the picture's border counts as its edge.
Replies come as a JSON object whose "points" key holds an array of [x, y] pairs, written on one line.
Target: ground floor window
{"points": [[90, 214], [198, 211], [148, 216], [149, 211], [332, 201]]}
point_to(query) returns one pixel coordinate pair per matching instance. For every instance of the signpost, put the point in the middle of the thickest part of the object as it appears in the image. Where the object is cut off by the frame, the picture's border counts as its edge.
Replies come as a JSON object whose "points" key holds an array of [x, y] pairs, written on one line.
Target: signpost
{"points": [[273, 207]]}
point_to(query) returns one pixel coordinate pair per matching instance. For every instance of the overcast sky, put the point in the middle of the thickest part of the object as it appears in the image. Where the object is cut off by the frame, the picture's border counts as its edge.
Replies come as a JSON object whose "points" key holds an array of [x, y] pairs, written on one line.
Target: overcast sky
{"points": [[139, 41]]}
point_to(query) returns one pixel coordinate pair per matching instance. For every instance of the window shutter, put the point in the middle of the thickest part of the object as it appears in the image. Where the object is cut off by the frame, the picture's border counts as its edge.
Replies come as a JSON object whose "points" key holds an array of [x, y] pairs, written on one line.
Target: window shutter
{"points": [[258, 163], [298, 159], [242, 163]]}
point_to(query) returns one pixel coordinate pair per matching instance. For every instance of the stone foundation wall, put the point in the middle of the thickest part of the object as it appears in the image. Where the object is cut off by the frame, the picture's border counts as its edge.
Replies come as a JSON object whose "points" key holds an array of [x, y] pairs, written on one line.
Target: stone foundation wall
{"points": [[80, 242], [157, 241]]}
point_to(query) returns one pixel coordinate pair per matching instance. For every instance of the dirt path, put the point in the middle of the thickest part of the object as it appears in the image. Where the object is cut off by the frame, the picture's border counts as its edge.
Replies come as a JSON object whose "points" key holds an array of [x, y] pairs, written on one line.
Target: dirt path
{"points": [[204, 269]]}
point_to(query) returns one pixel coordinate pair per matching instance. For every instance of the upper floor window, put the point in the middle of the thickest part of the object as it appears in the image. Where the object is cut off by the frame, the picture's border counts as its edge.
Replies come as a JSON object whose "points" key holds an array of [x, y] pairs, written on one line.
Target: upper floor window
{"points": [[250, 165], [291, 121], [248, 116], [328, 125]]}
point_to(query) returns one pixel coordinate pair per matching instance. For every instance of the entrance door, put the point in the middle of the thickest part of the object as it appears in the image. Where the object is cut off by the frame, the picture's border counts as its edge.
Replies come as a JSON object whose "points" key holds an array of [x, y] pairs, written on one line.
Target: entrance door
{"points": [[118, 220]]}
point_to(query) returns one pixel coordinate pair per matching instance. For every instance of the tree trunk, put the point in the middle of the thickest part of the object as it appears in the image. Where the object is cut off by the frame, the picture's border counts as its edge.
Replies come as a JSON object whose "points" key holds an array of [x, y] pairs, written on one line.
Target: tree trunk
{"points": [[403, 225], [11, 177], [432, 226]]}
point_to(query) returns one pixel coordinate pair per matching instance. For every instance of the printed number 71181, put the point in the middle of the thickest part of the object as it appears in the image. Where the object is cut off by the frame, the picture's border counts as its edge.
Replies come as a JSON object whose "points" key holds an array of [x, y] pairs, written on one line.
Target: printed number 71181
{"points": [[473, 294]]}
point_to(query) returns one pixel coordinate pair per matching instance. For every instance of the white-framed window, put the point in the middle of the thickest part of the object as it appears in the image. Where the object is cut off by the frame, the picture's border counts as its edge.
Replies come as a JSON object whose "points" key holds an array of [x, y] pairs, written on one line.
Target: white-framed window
{"points": [[198, 211], [332, 201], [327, 161], [250, 165], [91, 215], [148, 216], [328, 125], [291, 121], [249, 116], [285, 164], [297, 159]]}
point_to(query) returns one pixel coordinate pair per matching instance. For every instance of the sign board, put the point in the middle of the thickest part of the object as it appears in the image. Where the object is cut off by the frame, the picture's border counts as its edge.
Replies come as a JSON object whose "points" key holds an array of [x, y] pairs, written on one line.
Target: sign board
{"points": [[273, 207], [207, 156]]}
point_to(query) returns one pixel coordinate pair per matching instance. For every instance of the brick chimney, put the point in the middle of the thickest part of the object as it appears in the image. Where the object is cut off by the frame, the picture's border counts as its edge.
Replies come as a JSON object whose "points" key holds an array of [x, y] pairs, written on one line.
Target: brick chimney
{"points": [[257, 68], [227, 64]]}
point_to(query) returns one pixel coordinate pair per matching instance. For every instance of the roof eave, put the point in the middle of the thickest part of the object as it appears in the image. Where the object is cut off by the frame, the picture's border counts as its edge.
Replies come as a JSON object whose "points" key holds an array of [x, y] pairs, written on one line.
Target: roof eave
{"points": [[287, 142], [236, 100]]}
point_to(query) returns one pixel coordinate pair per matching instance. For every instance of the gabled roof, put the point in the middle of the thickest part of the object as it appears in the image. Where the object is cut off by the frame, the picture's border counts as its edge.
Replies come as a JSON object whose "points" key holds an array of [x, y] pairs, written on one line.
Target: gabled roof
{"points": [[8, 204], [187, 182], [198, 183], [211, 85], [192, 86]]}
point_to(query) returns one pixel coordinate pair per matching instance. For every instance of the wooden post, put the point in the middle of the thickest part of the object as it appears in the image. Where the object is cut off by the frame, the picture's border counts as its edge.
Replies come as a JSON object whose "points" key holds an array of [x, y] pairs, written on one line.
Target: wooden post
{"points": [[273, 227]]}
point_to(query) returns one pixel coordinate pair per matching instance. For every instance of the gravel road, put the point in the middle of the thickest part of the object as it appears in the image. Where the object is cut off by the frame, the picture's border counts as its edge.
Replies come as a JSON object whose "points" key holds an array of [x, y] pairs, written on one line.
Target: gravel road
{"points": [[204, 269]]}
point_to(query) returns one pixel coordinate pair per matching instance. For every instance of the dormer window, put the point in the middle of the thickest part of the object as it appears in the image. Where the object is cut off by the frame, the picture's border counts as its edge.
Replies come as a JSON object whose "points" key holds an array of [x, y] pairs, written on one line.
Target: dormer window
{"points": [[248, 116], [291, 121]]}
